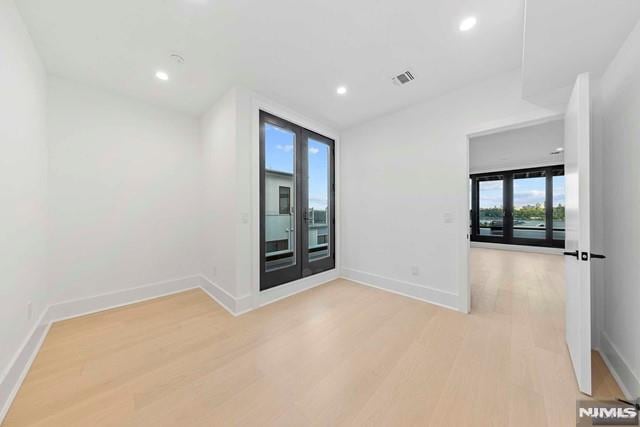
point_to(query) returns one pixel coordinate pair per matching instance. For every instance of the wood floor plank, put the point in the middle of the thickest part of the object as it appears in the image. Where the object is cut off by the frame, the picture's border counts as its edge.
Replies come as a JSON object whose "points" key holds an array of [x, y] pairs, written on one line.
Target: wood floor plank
{"points": [[339, 354]]}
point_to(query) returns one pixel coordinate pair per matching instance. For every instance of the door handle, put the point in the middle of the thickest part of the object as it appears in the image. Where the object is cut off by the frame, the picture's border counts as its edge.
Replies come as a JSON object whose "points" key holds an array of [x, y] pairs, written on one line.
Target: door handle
{"points": [[586, 256], [574, 253]]}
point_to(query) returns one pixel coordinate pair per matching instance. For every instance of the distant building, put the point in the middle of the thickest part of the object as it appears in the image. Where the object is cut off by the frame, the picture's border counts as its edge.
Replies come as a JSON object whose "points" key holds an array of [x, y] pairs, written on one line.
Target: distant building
{"points": [[280, 219]]}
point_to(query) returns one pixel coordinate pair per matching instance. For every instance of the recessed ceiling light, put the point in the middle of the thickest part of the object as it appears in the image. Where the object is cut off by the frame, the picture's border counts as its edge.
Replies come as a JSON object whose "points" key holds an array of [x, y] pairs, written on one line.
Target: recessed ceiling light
{"points": [[560, 149], [162, 75], [341, 90], [468, 23]]}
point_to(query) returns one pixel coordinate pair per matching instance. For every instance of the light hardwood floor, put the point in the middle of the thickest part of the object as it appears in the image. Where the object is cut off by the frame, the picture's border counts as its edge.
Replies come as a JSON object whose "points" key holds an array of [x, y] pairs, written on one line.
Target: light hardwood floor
{"points": [[340, 354]]}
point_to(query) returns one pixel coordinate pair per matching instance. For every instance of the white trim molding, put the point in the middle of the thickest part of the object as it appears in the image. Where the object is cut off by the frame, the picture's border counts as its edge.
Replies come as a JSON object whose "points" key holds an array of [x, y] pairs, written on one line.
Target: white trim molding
{"points": [[20, 364], [411, 290], [518, 248], [619, 368], [235, 306], [83, 306], [286, 290]]}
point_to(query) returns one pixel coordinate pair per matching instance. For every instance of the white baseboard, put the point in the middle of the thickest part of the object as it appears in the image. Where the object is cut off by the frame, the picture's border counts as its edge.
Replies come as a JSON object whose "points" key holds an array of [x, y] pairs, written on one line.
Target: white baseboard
{"points": [[518, 248], [400, 287], [619, 368], [235, 306], [94, 304], [19, 367], [288, 289]]}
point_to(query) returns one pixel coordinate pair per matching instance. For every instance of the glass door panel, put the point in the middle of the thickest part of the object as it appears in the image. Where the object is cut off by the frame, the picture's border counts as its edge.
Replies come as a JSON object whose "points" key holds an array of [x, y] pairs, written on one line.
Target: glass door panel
{"points": [[529, 205], [280, 238], [491, 207], [558, 208], [279, 195], [319, 204], [319, 188]]}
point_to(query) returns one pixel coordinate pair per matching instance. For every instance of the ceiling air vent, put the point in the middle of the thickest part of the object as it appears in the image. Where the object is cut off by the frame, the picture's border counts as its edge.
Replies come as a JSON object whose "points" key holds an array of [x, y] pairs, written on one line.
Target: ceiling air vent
{"points": [[404, 78]]}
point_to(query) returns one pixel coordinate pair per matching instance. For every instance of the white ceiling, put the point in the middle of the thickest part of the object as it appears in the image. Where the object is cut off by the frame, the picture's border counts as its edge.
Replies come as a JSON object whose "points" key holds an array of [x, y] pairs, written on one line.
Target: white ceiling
{"points": [[295, 51], [518, 148], [564, 38]]}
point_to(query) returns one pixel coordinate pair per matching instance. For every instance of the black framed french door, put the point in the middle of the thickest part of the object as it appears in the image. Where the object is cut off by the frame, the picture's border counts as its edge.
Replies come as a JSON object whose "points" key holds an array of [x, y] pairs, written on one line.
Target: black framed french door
{"points": [[520, 207], [297, 202]]}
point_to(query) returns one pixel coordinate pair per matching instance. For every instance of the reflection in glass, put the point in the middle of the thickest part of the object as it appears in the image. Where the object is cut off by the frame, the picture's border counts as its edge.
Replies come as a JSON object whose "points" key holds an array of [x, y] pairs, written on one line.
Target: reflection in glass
{"points": [[491, 208], [318, 214], [558, 207], [280, 203], [529, 212]]}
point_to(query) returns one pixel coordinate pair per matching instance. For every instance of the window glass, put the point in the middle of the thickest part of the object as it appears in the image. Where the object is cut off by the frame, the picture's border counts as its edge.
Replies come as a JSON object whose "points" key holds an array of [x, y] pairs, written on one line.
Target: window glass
{"points": [[558, 208], [491, 207], [318, 172], [280, 233], [529, 211]]}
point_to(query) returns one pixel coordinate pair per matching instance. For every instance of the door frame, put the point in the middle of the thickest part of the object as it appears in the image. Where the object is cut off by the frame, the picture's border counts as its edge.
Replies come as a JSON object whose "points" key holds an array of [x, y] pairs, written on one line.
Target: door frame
{"points": [[253, 103], [293, 272], [303, 267], [310, 268], [490, 128]]}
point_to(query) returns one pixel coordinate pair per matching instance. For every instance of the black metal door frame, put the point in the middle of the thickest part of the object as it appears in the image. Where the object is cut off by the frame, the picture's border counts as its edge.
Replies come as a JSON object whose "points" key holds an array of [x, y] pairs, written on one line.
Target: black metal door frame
{"points": [[303, 267], [326, 263]]}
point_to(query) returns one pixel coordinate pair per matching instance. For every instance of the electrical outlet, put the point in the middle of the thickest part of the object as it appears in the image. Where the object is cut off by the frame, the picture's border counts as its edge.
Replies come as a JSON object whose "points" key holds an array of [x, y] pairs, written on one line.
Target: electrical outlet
{"points": [[29, 310], [415, 271]]}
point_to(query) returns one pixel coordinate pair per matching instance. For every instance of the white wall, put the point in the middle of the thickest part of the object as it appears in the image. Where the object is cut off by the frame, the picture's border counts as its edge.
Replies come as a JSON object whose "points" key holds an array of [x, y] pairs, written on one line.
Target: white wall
{"points": [[218, 129], [230, 135], [620, 88], [226, 163], [124, 192], [23, 172], [521, 148], [405, 183]]}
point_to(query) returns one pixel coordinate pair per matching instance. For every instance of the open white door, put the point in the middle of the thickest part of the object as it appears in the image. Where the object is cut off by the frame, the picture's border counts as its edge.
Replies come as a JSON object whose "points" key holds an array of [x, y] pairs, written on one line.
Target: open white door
{"points": [[578, 245]]}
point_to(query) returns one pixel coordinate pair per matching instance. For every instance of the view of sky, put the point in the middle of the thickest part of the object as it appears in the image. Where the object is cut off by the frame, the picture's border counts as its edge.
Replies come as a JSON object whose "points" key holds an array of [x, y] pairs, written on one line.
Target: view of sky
{"points": [[280, 155], [527, 191]]}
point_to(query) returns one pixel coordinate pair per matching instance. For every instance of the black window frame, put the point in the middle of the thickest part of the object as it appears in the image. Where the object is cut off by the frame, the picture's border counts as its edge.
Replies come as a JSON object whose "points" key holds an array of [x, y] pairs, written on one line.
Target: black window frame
{"points": [[508, 227]]}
